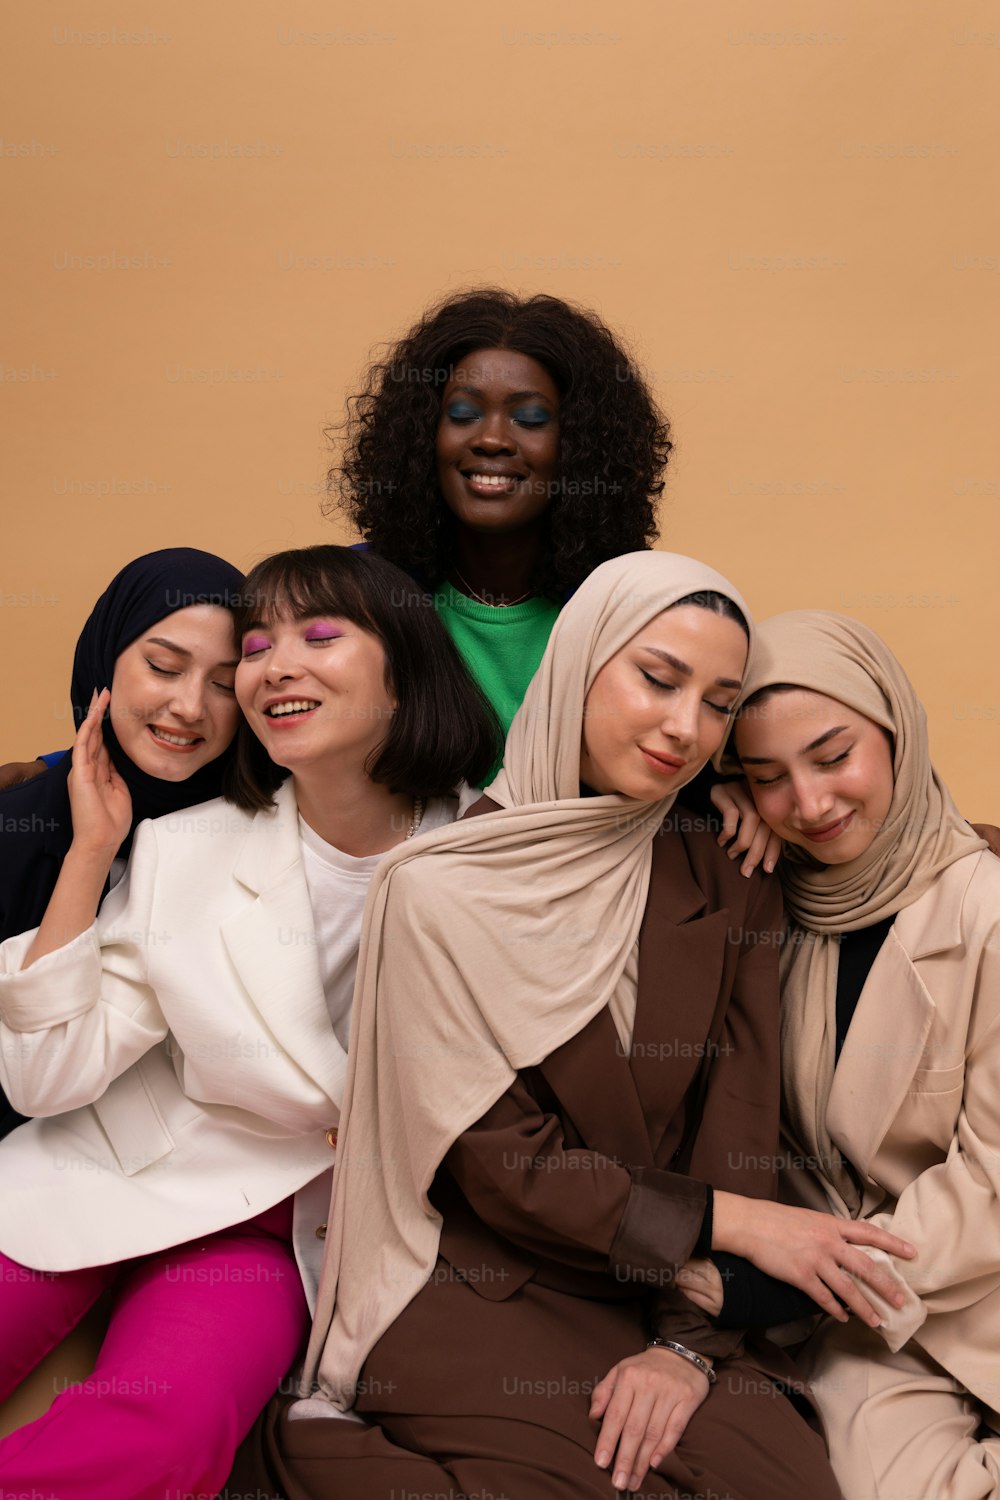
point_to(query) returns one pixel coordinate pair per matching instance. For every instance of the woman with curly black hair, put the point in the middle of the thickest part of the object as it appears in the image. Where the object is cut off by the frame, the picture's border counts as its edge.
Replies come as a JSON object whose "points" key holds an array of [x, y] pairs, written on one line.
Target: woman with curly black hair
{"points": [[502, 449]]}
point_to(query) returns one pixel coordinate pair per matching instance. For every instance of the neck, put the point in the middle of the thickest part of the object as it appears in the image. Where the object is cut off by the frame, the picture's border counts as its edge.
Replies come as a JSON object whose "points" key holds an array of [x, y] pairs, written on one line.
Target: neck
{"points": [[359, 817], [499, 568]]}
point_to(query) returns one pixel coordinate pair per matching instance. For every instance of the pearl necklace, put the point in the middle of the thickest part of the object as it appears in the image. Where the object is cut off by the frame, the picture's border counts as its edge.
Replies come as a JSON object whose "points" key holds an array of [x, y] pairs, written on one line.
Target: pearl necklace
{"points": [[418, 812]]}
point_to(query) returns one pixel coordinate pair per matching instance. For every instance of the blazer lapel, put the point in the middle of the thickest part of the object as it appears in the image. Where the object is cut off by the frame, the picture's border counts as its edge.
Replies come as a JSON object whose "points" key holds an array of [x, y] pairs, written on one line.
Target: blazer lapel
{"points": [[681, 956], [272, 945], [590, 1076], [881, 1052]]}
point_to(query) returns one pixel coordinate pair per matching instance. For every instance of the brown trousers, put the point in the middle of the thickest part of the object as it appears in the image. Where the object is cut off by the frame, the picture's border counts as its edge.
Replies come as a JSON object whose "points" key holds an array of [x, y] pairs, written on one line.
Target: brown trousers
{"points": [[488, 1400]]}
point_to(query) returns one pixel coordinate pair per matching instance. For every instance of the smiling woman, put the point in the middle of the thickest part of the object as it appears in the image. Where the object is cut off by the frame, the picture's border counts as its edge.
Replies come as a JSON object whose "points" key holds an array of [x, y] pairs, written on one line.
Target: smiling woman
{"points": [[161, 636], [160, 696], [184, 1049], [503, 448], [172, 701]]}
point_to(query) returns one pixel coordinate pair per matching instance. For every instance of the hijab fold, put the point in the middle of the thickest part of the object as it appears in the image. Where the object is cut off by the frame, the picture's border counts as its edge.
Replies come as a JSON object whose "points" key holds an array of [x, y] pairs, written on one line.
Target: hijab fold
{"points": [[485, 946], [923, 833]]}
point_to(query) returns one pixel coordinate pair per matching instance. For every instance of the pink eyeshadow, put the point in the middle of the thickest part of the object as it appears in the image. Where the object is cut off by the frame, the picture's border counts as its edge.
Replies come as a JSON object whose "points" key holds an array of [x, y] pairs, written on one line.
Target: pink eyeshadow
{"points": [[322, 632], [255, 643]]}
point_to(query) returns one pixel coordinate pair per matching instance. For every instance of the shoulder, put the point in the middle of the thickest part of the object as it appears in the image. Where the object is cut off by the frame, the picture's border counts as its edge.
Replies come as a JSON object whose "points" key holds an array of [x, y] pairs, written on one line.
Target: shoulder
{"points": [[688, 843], [195, 833], [976, 881]]}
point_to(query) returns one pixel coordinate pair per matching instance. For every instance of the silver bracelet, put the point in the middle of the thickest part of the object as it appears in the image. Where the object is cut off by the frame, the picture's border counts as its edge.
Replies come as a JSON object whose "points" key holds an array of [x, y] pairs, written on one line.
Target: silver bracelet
{"points": [[685, 1353]]}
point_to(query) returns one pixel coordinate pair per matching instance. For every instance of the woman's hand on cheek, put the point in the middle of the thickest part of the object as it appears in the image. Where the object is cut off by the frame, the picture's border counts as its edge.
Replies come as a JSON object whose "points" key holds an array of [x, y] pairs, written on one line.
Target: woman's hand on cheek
{"points": [[99, 799], [743, 828], [644, 1403]]}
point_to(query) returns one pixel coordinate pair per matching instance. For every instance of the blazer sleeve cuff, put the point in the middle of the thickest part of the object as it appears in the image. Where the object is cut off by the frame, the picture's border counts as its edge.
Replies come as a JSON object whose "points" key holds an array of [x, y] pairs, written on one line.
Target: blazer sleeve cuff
{"points": [[57, 988], [899, 1324], [672, 1316], [661, 1225]]}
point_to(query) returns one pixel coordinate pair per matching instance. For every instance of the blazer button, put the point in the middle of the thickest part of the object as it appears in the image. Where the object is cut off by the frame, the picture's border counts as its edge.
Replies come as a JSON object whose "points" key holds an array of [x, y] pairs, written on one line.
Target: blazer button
{"points": [[331, 1136], [321, 1232]]}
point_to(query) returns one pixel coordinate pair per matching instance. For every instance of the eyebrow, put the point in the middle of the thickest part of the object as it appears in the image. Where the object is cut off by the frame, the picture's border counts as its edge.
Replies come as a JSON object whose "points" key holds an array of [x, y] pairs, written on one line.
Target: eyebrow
{"points": [[685, 670], [159, 640], [768, 760], [471, 390]]}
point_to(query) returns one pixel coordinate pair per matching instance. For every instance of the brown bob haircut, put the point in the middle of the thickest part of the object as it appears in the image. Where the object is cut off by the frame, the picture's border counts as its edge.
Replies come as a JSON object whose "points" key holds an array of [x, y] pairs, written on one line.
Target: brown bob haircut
{"points": [[443, 730]]}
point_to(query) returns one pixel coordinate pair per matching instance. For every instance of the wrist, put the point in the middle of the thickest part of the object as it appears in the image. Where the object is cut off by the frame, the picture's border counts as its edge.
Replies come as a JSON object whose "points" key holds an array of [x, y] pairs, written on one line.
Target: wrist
{"points": [[702, 1362], [86, 858], [729, 1228]]}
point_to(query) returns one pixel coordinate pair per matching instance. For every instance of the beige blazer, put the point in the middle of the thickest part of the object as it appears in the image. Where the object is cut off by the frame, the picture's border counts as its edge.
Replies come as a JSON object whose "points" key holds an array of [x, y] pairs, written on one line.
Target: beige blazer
{"points": [[181, 1048], [915, 1108]]}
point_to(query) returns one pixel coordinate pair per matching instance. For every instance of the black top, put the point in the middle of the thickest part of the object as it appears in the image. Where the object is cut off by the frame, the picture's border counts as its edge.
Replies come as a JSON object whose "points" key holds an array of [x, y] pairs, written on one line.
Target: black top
{"points": [[751, 1298]]}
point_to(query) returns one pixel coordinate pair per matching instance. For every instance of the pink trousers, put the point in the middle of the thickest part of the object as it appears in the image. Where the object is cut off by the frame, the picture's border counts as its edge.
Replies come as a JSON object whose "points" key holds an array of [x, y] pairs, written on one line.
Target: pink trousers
{"points": [[199, 1338]]}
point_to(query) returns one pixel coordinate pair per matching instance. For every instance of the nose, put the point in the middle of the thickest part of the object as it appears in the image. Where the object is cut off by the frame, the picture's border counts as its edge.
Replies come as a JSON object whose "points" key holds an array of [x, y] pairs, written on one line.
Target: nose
{"points": [[680, 722], [813, 801], [188, 701], [494, 434], [281, 663]]}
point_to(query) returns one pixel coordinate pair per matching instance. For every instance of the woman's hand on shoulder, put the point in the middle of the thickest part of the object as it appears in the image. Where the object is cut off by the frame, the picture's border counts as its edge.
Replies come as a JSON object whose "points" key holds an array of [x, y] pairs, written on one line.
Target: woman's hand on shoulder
{"points": [[813, 1251], [99, 799], [17, 772], [644, 1403], [986, 831], [743, 828]]}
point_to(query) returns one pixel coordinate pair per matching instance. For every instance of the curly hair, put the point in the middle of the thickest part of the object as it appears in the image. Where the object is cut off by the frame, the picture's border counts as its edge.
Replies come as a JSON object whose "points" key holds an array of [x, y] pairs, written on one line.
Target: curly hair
{"points": [[613, 443]]}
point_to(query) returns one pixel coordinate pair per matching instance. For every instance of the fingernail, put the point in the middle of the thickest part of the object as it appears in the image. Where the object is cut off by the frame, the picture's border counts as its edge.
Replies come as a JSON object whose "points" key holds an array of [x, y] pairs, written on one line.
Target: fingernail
{"points": [[769, 866], [603, 1458], [620, 1480], [746, 872]]}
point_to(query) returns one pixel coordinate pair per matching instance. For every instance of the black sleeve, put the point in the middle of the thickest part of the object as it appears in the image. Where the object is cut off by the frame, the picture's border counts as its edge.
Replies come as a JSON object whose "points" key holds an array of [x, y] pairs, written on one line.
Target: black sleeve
{"points": [[752, 1299]]}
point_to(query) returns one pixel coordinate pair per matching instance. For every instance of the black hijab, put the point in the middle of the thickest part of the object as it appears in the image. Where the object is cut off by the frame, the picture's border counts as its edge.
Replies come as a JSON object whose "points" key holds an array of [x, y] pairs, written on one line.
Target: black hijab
{"points": [[36, 829]]}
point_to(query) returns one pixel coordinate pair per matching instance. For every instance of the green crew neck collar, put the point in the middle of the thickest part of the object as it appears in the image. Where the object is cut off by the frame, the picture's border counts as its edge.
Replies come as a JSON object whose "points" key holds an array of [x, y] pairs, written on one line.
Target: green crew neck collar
{"points": [[534, 608]]}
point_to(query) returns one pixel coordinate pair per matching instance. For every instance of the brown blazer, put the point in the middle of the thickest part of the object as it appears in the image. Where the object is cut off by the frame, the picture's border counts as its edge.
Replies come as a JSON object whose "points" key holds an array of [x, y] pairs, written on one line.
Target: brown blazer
{"points": [[589, 1173]]}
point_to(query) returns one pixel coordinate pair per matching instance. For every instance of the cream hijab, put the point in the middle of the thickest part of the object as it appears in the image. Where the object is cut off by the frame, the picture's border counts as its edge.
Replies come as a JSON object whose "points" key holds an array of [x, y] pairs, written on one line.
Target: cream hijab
{"points": [[485, 946], [922, 835]]}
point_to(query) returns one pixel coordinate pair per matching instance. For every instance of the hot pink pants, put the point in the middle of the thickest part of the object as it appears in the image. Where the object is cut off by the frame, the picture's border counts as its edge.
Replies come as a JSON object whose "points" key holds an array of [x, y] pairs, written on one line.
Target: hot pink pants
{"points": [[199, 1338]]}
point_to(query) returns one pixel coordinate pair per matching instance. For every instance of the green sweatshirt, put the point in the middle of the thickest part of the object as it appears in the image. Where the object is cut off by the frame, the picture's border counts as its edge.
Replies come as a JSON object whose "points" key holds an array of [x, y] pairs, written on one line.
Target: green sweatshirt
{"points": [[500, 647]]}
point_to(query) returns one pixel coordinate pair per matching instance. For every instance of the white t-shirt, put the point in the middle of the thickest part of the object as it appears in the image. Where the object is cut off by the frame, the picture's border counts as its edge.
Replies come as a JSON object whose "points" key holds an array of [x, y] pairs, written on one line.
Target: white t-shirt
{"points": [[338, 885]]}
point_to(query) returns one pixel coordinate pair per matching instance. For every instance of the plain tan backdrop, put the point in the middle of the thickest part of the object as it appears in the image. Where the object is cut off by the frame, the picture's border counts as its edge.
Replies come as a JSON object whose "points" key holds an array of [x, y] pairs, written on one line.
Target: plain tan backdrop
{"points": [[213, 213]]}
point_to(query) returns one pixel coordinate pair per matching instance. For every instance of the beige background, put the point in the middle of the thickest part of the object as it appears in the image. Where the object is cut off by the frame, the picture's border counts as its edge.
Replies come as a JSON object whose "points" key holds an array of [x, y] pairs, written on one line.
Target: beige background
{"points": [[790, 209]]}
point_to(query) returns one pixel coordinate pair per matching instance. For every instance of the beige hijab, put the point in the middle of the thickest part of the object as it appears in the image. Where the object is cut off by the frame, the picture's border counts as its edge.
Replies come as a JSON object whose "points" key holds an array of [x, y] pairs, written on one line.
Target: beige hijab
{"points": [[485, 946], [923, 833]]}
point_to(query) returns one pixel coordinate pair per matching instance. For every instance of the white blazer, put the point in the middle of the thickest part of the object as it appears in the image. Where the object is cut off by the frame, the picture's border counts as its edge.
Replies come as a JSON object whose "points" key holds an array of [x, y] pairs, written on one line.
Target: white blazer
{"points": [[180, 1048]]}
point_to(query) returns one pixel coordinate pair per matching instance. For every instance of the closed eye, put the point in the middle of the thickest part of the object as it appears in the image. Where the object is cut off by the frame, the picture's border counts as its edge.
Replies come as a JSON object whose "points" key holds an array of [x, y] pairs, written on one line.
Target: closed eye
{"points": [[462, 412], [725, 709], [534, 416], [160, 671]]}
